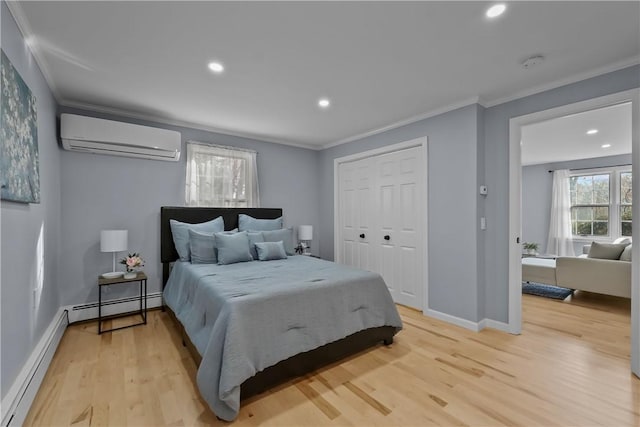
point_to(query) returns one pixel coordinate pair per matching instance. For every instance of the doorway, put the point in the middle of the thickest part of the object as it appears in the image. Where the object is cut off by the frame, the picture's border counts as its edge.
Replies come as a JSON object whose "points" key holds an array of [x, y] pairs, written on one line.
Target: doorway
{"points": [[515, 206]]}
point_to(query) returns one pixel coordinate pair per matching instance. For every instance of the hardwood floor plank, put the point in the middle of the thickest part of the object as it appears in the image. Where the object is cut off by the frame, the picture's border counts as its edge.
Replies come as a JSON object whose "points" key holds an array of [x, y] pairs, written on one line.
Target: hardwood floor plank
{"points": [[569, 367]]}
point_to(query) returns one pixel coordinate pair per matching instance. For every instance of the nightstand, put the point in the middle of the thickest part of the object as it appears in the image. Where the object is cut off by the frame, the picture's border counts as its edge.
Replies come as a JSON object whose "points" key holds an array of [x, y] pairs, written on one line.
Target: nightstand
{"points": [[141, 280]]}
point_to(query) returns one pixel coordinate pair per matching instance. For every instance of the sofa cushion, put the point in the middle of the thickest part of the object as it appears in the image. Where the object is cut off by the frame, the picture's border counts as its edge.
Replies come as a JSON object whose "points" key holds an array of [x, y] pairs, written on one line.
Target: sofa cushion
{"points": [[622, 241], [626, 254], [606, 250]]}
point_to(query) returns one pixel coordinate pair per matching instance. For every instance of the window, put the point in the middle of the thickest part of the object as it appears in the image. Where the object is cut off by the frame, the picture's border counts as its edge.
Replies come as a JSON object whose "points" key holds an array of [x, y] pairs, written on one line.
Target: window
{"points": [[626, 199], [601, 202], [221, 176]]}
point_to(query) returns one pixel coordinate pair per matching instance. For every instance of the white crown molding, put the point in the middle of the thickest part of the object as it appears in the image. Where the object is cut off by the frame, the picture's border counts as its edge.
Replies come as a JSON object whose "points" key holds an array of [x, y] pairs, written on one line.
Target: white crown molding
{"points": [[634, 60], [414, 119], [181, 123], [24, 27], [27, 34]]}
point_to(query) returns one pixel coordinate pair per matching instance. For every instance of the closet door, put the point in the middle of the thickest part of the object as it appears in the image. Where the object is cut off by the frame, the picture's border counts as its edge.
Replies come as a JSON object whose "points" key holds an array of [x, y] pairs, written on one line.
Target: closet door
{"points": [[397, 239], [356, 196]]}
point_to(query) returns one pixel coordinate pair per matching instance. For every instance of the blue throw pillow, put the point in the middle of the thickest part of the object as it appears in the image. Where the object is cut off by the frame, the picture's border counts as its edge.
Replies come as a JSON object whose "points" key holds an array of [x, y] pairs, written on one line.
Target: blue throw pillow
{"points": [[233, 248], [285, 235], [180, 232], [268, 251], [253, 239], [202, 248], [249, 223]]}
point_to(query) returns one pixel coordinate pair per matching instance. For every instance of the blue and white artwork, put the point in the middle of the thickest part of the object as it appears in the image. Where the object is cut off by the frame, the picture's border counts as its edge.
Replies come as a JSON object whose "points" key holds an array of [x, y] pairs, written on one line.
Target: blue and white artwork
{"points": [[19, 167]]}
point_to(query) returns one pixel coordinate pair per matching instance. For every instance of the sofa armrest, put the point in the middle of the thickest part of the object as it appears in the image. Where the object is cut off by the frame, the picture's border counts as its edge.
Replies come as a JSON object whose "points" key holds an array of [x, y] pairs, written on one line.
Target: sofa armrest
{"points": [[603, 276]]}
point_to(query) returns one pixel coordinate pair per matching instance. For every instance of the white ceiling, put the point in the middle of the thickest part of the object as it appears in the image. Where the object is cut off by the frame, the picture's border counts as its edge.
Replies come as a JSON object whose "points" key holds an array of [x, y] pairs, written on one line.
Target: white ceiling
{"points": [[566, 138], [381, 63]]}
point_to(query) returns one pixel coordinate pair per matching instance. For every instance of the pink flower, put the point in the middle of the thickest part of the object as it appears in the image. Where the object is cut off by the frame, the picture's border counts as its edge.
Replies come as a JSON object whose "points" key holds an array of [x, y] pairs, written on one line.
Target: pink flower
{"points": [[131, 262]]}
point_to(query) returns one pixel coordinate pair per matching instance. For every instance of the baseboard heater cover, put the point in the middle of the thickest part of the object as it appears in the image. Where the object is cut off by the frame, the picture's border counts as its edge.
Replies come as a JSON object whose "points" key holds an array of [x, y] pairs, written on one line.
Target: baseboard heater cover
{"points": [[18, 400], [89, 311]]}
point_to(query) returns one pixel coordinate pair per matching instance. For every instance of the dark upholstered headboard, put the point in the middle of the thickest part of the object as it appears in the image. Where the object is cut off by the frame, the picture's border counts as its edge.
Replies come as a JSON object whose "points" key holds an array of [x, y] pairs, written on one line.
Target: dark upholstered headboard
{"points": [[194, 215]]}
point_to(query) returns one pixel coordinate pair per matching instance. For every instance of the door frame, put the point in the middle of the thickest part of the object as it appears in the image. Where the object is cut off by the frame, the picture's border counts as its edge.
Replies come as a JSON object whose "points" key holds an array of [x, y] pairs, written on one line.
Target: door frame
{"points": [[418, 142], [515, 206]]}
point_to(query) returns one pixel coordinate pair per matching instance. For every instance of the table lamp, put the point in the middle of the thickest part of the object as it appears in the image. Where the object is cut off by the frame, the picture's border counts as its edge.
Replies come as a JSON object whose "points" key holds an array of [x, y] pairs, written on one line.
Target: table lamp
{"points": [[113, 241], [305, 235]]}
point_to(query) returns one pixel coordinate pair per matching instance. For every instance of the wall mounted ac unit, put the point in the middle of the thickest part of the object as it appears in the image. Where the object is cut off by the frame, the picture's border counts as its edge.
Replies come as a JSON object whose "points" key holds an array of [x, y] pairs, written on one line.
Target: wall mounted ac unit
{"points": [[91, 135]]}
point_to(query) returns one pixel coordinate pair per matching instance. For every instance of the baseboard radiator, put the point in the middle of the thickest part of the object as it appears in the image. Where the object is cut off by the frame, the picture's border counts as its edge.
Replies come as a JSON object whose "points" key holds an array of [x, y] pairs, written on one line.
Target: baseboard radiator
{"points": [[16, 404], [89, 311]]}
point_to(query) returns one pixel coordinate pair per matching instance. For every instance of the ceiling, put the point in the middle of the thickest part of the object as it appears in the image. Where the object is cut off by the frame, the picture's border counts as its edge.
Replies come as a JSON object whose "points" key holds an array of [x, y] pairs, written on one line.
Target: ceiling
{"points": [[382, 64], [565, 138]]}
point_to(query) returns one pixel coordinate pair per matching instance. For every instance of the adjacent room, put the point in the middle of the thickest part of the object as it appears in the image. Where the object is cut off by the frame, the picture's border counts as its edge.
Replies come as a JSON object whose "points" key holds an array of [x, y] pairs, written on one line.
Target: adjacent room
{"points": [[319, 213], [577, 216]]}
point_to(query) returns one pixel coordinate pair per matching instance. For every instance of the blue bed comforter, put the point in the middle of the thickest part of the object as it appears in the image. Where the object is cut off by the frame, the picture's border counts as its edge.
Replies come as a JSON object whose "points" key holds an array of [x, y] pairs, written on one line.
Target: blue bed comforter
{"points": [[246, 317]]}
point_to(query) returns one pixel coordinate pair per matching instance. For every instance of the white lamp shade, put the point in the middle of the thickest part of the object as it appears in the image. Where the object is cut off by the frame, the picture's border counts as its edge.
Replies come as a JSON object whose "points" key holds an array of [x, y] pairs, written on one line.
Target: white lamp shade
{"points": [[114, 240], [305, 232]]}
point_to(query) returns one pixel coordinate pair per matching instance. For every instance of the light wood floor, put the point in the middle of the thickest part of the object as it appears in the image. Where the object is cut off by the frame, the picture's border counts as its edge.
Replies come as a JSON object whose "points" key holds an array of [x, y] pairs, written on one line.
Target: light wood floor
{"points": [[569, 367]]}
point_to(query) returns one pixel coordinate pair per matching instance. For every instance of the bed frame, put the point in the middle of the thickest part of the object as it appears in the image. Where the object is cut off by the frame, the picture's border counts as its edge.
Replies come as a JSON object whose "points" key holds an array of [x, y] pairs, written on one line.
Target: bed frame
{"points": [[285, 370]]}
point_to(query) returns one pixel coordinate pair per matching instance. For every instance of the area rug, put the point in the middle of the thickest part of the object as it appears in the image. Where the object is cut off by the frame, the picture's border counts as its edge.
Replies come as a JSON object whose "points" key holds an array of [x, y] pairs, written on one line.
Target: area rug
{"points": [[547, 291]]}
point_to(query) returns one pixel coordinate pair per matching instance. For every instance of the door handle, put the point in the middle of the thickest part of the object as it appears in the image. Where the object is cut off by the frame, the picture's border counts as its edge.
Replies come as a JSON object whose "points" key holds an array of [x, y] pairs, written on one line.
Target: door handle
{"points": [[387, 237], [362, 236]]}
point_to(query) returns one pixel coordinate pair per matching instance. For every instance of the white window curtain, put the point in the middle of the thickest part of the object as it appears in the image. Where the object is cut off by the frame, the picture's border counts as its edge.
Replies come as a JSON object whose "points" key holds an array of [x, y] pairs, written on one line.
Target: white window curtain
{"points": [[221, 176], [560, 241]]}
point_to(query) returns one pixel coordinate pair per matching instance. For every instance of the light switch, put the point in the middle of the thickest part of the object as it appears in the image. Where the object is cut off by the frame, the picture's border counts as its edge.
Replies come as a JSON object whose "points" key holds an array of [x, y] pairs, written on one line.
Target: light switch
{"points": [[483, 223]]}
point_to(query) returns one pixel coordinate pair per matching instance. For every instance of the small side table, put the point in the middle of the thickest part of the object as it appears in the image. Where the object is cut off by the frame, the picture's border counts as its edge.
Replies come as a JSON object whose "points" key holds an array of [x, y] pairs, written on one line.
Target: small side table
{"points": [[141, 278]]}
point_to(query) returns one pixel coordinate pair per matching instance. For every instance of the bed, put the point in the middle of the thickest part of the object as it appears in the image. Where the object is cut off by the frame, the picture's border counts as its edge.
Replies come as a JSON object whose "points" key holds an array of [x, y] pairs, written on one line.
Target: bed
{"points": [[250, 326]]}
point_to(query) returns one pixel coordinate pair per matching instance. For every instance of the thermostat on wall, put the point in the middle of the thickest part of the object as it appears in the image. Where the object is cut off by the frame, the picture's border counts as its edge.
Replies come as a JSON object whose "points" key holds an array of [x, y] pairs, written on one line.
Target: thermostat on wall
{"points": [[483, 190]]}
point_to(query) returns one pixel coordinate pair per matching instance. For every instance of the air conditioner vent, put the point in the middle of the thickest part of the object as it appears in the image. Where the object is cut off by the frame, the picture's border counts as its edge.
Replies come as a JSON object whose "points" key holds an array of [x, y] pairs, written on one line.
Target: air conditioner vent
{"points": [[92, 135]]}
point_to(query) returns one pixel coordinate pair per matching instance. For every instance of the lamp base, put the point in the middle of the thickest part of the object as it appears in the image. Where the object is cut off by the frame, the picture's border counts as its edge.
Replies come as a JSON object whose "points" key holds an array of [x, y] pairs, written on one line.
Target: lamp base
{"points": [[113, 274]]}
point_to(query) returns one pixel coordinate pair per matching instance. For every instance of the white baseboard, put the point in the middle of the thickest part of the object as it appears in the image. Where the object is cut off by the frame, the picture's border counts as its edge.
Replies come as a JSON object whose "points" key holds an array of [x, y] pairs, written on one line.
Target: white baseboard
{"points": [[18, 400], [467, 324], [458, 321], [89, 311], [494, 324]]}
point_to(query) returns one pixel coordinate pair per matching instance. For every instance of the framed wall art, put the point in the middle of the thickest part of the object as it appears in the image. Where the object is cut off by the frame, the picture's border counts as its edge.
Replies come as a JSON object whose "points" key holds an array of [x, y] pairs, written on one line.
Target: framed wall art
{"points": [[19, 166]]}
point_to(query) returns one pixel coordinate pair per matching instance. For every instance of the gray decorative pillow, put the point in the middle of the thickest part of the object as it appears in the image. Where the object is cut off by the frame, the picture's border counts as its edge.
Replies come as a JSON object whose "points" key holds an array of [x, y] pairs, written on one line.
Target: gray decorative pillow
{"points": [[626, 254], [285, 235], [233, 248], [268, 251], [180, 232], [249, 223], [253, 239], [202, 248], [606, 250]]}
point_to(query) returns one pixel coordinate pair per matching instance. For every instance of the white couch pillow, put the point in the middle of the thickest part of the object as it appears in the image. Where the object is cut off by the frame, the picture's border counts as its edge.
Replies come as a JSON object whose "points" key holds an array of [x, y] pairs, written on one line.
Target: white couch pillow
{"points": [[626, 254]]}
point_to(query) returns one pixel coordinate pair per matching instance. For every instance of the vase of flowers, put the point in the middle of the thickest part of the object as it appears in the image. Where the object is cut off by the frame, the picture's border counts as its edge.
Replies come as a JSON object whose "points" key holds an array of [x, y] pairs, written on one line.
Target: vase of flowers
{"points": [[132, 262]]}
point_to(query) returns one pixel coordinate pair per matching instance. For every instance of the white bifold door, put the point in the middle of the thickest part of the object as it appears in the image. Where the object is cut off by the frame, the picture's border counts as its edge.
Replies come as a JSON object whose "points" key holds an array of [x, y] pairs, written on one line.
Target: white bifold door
{"points": [[381, 219]]}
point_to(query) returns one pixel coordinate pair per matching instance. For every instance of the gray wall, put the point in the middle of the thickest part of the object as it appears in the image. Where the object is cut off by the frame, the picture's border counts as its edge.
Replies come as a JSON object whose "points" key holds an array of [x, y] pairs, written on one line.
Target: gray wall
{"points": [[103, 192], [497, 170], [537, 185], [24, 319], [453, 171]]}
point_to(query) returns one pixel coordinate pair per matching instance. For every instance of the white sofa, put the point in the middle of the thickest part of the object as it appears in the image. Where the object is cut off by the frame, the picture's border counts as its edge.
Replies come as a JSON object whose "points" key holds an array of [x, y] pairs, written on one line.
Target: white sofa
{"points": [[603, 276]]}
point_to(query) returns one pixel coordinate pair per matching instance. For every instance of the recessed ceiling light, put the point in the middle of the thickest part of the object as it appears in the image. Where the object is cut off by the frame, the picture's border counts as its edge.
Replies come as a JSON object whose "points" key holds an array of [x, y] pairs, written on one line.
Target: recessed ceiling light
{"points": [[496, 10], [592, 131], [216, 67], [324, 103], [606, 145]]}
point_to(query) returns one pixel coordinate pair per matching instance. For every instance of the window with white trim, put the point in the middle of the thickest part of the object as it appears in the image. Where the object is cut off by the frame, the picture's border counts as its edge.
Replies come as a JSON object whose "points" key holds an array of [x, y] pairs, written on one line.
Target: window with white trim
{"points": [[601, 203], [221, 176]]}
